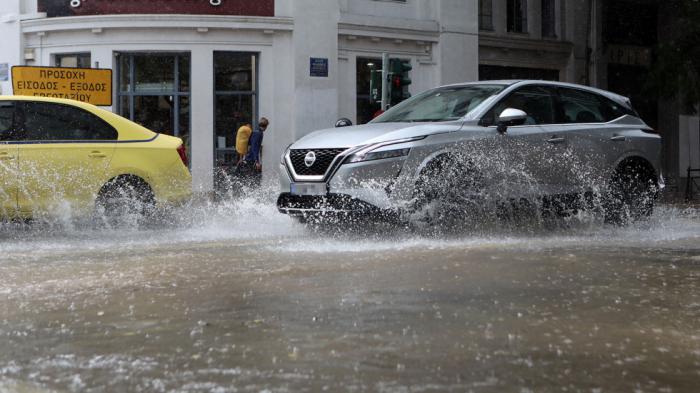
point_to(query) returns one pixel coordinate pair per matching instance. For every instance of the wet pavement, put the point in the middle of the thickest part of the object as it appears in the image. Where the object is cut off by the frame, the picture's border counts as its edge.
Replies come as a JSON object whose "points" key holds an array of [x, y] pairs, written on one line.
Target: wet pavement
{"points": [[237, 298]]}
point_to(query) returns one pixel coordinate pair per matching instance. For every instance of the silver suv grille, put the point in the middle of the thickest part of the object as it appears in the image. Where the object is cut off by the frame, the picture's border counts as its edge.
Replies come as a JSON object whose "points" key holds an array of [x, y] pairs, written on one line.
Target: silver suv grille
{"points": [[324, 158]]}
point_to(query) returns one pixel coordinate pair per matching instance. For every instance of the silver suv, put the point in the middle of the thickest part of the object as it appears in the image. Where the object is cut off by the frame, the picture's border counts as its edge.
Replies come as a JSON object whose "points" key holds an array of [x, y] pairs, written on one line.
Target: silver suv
{"points": [[562, 146]]}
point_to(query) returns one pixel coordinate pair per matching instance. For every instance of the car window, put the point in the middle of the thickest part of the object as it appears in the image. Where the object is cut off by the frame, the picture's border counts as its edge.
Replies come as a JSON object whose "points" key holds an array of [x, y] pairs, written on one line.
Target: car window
{"points": [[445, 103], [7, 119], [45, 121], [536, 101], [612, 110], [579, 106]]}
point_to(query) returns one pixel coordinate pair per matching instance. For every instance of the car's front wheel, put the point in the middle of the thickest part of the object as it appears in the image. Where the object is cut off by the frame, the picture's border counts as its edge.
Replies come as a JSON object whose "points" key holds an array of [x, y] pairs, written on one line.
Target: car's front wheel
{"points": [[445, 193]]}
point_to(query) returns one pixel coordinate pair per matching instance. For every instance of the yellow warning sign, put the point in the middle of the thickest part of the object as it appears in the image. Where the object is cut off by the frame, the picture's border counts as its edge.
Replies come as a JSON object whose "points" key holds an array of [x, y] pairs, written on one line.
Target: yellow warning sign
{"points": [[91, 85]]}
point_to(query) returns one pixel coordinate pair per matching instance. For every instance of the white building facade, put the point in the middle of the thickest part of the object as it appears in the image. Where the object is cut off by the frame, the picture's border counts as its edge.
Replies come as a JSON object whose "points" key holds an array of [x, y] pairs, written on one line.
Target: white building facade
{"points": [[199, 69]]}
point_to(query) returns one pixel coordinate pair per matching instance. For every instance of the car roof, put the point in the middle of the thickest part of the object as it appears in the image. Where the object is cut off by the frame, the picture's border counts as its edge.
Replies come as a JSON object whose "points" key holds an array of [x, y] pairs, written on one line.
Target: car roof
{"points": [[45, 99], [523, 82]]}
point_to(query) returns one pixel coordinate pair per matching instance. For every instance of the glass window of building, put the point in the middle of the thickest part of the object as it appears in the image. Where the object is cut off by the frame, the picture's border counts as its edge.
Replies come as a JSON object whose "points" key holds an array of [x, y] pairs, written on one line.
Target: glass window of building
{"points": [[485, 15], [74, 60], [236, 100], [517, 16], [365, 109], [549, 18], [154, 91]]}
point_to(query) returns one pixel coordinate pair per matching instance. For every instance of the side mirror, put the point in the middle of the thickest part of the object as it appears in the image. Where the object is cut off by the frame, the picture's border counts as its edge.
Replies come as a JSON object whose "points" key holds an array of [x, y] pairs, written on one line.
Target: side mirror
{"points": [[510, 117], [343, 122]]}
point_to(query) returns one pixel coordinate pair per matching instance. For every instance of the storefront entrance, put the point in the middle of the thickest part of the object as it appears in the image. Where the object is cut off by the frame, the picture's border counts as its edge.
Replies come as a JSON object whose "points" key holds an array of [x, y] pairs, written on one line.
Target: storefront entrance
{"points": [[154, 91], [366, 110], [235, 100]]}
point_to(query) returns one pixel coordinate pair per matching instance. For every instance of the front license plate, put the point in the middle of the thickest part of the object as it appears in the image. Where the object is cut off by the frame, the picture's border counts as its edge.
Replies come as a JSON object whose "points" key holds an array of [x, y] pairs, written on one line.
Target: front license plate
{"points": [[308, 188]]}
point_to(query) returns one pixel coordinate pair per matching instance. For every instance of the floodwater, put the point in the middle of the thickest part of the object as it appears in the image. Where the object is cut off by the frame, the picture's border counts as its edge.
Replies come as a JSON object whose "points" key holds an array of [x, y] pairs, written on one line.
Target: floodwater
{"points": [[234, 297]]}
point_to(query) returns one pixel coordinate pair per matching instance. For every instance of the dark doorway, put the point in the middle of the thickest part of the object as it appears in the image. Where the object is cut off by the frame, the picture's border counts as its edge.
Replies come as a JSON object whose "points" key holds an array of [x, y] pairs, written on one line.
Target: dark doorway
{"points": [[365, 109]]}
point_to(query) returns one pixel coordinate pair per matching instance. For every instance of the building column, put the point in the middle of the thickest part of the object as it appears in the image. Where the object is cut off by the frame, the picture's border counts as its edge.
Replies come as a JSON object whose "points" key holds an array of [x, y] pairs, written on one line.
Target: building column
{"points": [[202, 121], [458, 48], [11, 44], [315, 36], [103, 57], [277, 81]]}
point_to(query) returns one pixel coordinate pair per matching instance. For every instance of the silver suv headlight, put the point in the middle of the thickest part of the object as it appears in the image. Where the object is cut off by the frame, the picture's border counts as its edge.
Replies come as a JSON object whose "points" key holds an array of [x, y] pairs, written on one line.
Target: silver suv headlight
{"points": [[376, 155], [370, 153]]}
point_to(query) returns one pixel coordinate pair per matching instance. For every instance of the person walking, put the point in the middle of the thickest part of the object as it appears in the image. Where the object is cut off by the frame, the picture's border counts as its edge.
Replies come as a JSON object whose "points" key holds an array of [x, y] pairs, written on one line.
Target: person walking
{"points": [[252, 163], [229, 176]]}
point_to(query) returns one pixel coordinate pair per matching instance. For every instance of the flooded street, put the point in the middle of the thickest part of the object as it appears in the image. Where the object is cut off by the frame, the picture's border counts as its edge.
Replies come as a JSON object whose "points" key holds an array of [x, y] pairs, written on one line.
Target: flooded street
{"points": [[239, 298]]}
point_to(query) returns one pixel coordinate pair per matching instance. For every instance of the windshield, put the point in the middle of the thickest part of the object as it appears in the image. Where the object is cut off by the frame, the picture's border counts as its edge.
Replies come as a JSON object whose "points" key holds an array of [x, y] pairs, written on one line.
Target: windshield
{"points": [[441, 104]]}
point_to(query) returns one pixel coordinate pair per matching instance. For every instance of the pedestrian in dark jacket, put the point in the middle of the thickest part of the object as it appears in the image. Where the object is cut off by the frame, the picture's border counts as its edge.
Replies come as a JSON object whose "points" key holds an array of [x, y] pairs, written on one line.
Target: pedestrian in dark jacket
{"points": [[251, 165]]}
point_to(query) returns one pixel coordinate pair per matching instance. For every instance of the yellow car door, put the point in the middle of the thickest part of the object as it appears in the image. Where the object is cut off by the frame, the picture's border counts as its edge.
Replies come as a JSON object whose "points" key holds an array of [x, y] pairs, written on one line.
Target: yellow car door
{"points": [[8, 160], [63, 158]]}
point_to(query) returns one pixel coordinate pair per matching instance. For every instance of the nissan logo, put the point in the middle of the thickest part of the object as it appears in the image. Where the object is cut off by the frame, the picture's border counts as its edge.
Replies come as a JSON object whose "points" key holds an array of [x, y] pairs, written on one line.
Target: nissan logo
{"points": [[309, 159]]}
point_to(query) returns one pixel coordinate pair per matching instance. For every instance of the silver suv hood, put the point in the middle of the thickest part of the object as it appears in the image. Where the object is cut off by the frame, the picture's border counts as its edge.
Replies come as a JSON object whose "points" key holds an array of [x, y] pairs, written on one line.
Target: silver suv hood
{"points": [[345, 137]]}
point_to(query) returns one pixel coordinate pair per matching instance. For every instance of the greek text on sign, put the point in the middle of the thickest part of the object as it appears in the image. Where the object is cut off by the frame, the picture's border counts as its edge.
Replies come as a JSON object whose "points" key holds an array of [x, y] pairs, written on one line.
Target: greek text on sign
{"points": [[89, 85]]}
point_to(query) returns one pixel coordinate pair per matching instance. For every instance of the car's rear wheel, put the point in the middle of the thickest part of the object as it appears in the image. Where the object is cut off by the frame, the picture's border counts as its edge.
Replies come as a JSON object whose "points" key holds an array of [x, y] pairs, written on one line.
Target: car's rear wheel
{"points": [[125, 200], [631, 194]]}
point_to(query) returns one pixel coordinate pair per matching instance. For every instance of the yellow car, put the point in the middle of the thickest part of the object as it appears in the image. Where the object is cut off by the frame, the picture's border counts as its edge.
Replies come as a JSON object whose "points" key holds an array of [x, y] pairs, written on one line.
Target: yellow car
{"points": [[60, 155]]}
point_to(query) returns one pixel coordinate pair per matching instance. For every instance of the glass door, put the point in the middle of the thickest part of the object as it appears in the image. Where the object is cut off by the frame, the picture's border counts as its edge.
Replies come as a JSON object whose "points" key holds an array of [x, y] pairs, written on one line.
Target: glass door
{"points": [[154, 91], [235, 101]]}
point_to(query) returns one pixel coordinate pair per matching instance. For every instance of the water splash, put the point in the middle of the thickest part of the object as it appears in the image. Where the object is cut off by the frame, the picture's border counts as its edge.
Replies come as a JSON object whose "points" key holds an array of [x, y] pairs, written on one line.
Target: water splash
{"points": [[251, 215]]}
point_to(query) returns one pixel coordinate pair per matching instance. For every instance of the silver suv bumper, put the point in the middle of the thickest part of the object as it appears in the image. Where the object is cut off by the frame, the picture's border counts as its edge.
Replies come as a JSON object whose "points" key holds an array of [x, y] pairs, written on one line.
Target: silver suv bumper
{"points": [[359, 187]]}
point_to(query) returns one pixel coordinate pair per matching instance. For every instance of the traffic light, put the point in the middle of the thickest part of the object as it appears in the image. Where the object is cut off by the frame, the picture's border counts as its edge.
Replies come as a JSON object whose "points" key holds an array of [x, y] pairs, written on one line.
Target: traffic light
{"points": [[399, 80], [375, 86]]}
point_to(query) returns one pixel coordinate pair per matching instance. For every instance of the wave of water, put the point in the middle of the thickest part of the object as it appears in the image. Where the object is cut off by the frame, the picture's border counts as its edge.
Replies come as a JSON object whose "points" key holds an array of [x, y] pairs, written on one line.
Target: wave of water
{"points": [[254, 218]]}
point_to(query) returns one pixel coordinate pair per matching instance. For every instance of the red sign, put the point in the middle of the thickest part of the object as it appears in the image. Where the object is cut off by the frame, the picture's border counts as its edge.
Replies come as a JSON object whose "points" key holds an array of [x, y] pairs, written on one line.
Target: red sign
{"points": [[55, 8]]}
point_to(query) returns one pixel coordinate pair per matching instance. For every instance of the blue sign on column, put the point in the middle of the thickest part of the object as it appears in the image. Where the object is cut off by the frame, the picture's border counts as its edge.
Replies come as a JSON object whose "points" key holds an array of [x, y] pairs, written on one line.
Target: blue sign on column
{"points": [[318, 67]]}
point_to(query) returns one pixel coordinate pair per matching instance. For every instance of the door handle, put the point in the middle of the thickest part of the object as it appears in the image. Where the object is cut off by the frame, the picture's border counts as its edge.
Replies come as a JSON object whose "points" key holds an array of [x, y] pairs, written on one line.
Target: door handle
{"points": [[618, 138], [97, 154], [555, 140]]}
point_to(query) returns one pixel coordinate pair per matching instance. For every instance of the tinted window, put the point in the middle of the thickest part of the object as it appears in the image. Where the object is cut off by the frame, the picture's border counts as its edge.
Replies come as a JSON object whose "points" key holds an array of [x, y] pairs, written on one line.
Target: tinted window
{"points": [[612, 110], [549, 16], [579, 106], [536, 101], [485, 15], [517, 16], [43, 121], [7, 118]]}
